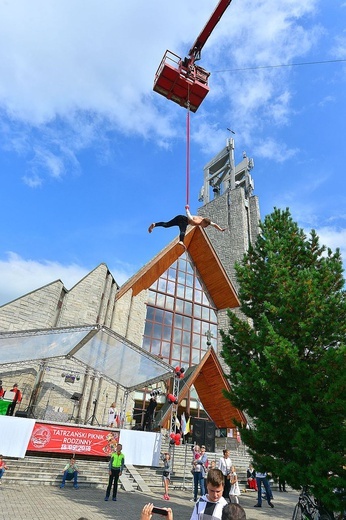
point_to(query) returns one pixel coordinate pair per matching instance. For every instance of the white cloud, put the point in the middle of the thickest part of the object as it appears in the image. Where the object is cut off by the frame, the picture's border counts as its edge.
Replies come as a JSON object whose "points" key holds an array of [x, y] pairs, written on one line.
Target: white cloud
{"points": [[81, 69], [333, 237], [272, 149], [20, 276]]}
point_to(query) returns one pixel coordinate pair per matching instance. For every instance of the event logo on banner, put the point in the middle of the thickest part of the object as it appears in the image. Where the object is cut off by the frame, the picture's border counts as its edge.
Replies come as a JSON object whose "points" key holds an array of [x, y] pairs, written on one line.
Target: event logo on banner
{"points": [[62, 439]]}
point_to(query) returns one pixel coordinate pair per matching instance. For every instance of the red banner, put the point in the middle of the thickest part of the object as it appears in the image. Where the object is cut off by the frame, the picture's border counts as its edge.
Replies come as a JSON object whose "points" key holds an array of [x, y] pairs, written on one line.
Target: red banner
{"points": [[68, 439]]}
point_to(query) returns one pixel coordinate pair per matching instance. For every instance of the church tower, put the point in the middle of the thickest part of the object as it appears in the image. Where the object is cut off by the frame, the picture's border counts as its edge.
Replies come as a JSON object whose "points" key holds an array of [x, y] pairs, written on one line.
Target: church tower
{"points": [[227, 197]]}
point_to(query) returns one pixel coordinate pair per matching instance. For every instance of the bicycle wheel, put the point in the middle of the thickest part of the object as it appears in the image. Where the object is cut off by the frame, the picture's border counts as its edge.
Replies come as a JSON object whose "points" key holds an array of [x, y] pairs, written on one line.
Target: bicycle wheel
{"points": [[298, 513]]}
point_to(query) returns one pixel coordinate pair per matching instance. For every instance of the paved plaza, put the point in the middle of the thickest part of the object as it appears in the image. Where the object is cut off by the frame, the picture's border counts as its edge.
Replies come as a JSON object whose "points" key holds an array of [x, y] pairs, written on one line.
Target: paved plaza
{"points": [[46, 502]]}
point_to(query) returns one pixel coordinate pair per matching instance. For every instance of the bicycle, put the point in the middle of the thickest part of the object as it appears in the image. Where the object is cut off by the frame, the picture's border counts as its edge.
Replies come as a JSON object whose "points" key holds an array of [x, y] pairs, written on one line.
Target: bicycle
{"points": [[308, 508]]}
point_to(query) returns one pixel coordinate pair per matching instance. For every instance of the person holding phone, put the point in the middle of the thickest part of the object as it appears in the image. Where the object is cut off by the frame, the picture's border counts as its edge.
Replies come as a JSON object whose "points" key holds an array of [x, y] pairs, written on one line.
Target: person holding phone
{"points": [[149, 509]]}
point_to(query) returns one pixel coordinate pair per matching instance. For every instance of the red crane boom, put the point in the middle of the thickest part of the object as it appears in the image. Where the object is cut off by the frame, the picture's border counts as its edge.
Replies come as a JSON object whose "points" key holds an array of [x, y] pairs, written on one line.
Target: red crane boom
{"points": [[201, 39], [183, 81]]}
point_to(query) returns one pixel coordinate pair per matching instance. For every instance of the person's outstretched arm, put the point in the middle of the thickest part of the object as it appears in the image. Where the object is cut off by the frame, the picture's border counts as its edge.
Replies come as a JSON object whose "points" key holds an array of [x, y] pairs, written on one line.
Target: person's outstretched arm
{"points": [[216, 226]]}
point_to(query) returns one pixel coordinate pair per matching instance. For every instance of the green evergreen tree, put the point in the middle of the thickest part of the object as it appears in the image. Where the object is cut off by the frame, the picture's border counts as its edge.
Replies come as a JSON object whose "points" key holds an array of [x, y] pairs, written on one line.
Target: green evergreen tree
{"points": [[287, 357]]}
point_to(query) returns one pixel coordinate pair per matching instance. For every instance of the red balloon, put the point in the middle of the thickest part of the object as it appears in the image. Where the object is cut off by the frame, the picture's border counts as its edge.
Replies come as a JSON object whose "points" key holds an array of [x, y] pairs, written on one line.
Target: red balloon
{"points": [[172, 435], [177, 436], [172, 399]]}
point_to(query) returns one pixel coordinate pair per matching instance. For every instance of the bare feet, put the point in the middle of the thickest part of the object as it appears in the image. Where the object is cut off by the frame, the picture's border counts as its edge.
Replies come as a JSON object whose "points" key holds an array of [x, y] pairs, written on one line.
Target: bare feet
{"points": [[182, 244], [151, 227]]}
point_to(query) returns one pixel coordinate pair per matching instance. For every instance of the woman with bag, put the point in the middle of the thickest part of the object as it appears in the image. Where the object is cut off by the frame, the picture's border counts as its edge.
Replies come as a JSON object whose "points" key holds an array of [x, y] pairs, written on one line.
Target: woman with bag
{"points": [[235, 489]]}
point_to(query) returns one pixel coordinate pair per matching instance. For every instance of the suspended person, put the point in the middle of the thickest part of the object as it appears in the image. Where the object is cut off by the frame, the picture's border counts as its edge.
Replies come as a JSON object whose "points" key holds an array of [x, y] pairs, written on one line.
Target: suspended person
{"points": [[183, 221]]}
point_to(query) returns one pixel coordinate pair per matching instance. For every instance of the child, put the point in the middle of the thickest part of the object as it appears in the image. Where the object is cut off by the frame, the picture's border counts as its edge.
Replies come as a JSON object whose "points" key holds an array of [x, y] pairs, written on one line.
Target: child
{"points": [[235, 490], [3, 466], [70, 472], [166, 475]]}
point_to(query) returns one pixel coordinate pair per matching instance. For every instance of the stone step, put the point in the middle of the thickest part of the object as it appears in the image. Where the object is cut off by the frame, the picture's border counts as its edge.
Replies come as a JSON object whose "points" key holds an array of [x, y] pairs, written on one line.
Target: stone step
{"points": [[34, 470]]}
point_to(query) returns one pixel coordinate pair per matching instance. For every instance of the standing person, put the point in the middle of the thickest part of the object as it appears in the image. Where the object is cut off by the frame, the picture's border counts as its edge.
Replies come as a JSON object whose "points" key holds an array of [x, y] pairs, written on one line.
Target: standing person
{"points": [[235, 490], [251, 477], [210, 506], [183, 221], [3, 466], [198, 467], [116, 467], [196, 452], [17, 398], [225, 465], [211, 465], [2, 391], [70, 472], [233, 512], [282, 484], [166, 474], [149, 414], [111, 415], [261, 478]]}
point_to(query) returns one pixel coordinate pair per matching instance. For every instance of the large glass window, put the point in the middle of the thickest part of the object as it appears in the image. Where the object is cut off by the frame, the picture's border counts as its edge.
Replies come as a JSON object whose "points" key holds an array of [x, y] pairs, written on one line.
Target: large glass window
{"points": [[181, 317]]}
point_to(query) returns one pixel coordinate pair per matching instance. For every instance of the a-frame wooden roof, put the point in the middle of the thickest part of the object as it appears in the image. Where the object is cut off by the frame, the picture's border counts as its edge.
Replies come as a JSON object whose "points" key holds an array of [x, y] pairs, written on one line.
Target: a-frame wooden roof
{"points": [[209, 380], [199, 247]]}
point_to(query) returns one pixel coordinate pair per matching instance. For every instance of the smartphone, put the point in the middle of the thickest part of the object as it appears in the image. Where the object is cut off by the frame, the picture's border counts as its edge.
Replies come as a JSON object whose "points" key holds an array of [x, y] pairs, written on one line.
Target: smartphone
{"points": [[160, 511]]}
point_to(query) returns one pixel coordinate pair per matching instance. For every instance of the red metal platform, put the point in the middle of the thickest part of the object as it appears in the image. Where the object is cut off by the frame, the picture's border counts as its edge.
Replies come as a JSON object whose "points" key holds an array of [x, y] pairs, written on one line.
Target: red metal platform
{"points": [[181, 84]]}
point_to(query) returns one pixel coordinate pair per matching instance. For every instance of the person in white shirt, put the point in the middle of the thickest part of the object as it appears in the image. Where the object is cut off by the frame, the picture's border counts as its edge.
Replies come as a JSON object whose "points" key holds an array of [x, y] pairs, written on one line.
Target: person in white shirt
{"points": [[225, 465], [210, 506], [112, 415]]}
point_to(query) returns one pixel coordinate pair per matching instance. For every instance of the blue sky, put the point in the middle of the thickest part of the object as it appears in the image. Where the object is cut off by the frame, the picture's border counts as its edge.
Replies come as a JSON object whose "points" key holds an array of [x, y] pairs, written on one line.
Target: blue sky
{"points": [[90, 155]]}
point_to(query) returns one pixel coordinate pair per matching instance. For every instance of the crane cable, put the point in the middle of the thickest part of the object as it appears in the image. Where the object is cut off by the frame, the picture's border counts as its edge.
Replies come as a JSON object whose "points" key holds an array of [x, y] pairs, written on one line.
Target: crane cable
{"points": [[188, 149]]}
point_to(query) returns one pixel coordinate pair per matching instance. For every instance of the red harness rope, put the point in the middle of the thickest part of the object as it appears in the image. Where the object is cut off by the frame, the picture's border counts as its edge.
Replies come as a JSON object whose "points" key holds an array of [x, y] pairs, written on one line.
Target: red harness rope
{"points": [[188, 153]]}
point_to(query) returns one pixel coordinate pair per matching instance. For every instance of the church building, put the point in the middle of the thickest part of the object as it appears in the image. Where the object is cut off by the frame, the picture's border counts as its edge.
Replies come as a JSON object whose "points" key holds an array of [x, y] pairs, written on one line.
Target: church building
{"points": [[171, 310]]}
